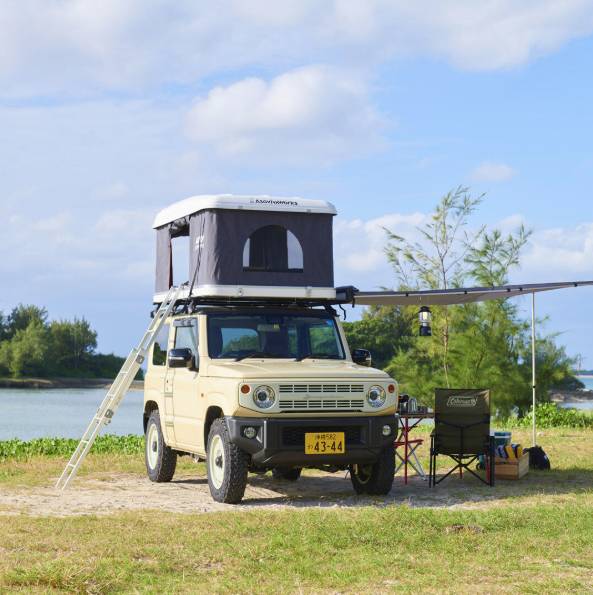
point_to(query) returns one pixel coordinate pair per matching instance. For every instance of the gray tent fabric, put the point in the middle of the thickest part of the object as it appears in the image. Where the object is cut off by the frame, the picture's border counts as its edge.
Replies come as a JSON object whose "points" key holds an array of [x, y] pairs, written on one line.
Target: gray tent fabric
{"points": [[275, 241], [463, 295], [164, 260]]}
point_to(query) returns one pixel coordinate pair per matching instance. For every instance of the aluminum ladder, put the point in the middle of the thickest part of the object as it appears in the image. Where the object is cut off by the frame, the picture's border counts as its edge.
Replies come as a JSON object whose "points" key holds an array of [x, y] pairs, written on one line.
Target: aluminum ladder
{"points": [[119, 388]]}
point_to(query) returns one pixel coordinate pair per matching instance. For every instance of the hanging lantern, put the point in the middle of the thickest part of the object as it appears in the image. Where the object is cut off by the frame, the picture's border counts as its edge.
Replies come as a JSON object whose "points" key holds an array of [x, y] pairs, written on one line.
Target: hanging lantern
{"points": [[425, 319]]}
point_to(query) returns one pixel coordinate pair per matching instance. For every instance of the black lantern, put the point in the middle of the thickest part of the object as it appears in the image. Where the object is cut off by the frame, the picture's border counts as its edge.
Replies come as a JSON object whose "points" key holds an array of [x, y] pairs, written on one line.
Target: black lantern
{"points": [[425, 318]]}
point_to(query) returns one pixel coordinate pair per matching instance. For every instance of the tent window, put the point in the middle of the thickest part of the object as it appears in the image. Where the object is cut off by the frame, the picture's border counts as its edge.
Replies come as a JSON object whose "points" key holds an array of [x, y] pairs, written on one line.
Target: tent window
{"points": [[273, 248]]}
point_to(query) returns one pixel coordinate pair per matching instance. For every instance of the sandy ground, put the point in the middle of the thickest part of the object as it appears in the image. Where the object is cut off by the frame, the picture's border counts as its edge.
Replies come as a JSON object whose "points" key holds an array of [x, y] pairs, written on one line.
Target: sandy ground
{"points": [[109, 494]]}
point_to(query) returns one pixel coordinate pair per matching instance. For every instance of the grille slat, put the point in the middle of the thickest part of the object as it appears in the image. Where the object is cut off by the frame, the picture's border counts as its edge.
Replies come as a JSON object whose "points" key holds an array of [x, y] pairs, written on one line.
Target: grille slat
{"points": [[321, 404], [321, 388]]}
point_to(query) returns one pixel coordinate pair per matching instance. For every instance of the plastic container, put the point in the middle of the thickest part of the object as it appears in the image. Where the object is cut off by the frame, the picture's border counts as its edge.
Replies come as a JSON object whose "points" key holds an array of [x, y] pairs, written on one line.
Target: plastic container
{"points": [[502, 438]]}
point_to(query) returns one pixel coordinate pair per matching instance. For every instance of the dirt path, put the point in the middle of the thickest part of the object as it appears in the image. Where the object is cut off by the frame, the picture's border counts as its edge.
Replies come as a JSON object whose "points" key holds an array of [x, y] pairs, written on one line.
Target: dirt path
{"points": [[109, 494]]}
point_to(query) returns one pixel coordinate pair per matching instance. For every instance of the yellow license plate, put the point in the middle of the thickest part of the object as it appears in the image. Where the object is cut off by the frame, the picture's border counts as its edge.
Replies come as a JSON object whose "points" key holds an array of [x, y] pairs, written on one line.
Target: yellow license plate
{"points": [[325, 443]]}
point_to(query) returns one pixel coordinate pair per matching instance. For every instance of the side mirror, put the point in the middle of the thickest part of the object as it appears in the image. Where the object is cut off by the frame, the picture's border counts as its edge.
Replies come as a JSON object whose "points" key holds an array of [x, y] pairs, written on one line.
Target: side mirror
{"points": [[181, 358], [362, 357]]}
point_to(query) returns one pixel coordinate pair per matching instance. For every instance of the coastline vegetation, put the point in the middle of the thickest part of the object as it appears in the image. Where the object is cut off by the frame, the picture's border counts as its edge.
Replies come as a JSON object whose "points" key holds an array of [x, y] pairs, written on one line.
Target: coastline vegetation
{"points": [[33, 346]]}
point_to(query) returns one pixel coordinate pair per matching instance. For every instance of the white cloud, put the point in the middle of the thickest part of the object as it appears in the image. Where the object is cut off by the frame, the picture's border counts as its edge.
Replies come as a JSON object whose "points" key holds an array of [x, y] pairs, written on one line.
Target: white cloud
{"points": [[114, 248], [557, 254], [302, 115], [359, 248], [490, 171], [565, 253], [80, 47]]}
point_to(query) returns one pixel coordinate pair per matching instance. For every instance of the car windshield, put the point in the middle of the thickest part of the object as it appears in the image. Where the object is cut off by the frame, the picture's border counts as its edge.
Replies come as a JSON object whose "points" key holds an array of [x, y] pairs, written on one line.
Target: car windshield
{"points": [[290, 336]]}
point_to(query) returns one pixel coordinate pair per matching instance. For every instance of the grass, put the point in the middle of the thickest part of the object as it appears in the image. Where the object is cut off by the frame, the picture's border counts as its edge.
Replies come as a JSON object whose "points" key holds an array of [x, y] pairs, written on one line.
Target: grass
{"points": [[362, 550], [537, 537]]}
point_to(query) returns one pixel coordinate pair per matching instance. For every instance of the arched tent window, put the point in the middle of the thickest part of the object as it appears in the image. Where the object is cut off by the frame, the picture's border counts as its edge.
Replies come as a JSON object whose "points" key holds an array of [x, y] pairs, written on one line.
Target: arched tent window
{"points": [[273, 248]]}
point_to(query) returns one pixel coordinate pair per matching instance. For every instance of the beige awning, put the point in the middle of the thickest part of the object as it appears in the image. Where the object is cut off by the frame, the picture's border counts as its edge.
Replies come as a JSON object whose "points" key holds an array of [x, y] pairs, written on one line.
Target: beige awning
{"points": [[462, 295]]}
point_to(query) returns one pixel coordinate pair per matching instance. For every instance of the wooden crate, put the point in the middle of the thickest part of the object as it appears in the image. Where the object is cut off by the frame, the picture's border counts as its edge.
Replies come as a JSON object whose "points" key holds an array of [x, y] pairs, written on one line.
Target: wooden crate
{"points": [[512, 468]]}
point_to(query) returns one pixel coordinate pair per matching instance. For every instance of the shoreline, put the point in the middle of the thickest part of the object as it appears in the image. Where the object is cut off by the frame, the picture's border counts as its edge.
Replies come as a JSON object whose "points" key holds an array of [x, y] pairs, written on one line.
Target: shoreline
{"points": [[56, 383]]}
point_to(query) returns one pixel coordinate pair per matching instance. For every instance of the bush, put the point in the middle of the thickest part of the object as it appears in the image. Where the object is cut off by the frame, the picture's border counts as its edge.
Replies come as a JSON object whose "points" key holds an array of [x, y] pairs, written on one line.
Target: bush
{"points": [[548, 415], [64, 447]]}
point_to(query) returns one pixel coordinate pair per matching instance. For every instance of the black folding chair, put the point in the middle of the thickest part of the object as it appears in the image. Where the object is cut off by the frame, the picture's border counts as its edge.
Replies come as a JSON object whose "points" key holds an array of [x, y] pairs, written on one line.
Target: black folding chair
{"points": [[462, 432]]}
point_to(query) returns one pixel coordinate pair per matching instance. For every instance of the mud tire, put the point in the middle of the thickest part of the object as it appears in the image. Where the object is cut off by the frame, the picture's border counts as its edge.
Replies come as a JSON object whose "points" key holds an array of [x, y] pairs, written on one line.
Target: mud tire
{"points": [[375, 479], [227, 465], [160, 460]]}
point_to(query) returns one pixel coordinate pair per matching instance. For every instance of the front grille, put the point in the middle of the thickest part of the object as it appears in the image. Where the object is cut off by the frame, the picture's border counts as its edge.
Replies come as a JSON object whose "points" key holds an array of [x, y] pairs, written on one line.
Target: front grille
{"points": [[295, 436], [321, 404], [336, 389]]}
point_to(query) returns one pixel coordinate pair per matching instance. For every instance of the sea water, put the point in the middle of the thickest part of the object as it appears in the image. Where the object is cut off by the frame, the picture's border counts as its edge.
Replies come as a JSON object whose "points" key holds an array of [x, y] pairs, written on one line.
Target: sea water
{"points": [[41, 413]]}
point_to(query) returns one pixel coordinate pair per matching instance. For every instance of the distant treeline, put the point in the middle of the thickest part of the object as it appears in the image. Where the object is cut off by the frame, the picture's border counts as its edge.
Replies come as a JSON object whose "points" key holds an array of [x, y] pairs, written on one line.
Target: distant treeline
{"points": [[33, 346]]}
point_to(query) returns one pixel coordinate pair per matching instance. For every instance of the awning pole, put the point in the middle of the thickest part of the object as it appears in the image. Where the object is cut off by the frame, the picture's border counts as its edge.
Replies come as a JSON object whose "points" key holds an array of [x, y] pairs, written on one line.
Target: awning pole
{"points": [[533, 371]]}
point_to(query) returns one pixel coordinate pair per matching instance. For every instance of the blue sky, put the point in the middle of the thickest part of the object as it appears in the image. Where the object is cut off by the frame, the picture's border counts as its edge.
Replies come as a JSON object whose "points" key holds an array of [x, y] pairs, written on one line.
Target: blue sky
{"points": [[109, 111]]}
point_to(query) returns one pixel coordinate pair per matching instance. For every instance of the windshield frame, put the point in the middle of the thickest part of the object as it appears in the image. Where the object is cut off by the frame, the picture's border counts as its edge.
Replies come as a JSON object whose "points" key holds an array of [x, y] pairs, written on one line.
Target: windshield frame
{"points": [[307, 313]]}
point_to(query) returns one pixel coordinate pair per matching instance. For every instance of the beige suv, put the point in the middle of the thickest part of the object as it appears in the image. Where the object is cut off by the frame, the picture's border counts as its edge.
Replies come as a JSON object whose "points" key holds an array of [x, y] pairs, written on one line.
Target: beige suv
{"points": [[258, 388]]}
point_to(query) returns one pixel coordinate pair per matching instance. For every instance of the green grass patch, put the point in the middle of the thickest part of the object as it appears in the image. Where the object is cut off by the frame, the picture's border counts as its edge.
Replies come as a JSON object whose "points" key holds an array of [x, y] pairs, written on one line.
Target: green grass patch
{"points": [[548, 549], [59, 447], [549, 415]]}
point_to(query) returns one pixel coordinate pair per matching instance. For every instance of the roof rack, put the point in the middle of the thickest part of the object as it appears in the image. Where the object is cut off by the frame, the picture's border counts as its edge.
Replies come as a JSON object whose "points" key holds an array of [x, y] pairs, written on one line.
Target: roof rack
{"points": [[188, 305]]}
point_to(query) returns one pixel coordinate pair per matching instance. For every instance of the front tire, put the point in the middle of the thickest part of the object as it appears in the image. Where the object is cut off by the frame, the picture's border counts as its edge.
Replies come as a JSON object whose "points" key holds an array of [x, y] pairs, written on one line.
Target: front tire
{"points": [[159, 458], [227, 466], [375, 479]]}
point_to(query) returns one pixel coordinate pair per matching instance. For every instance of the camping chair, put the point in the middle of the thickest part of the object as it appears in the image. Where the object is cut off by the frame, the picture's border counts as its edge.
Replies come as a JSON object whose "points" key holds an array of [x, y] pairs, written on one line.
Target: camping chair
{"points": [[462, 432]]}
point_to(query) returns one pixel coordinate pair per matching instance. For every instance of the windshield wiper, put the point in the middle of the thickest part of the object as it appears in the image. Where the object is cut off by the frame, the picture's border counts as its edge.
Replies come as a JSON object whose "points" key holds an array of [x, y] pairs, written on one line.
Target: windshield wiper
{"points": [[316, 356], [256, 354]]}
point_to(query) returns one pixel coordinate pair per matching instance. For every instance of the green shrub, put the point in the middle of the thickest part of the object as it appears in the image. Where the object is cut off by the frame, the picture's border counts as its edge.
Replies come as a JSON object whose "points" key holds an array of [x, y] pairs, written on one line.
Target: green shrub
{"points": [[64, 447], [548, 415]]}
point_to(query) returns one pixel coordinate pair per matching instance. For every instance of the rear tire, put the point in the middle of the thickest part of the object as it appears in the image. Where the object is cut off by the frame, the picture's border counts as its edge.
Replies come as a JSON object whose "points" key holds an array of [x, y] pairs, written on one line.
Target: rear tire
{"points": [[227, 465], [159, 458], [285, 474], [375, 479]]}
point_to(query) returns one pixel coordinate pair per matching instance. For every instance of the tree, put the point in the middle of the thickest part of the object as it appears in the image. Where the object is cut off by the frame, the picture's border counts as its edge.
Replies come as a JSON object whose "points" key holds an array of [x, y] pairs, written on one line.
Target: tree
{"points": [[72, 343], [3, 327], [381, 331], [25, 353], [437, 262], [481, 345], [29, 345], [22, 316]]}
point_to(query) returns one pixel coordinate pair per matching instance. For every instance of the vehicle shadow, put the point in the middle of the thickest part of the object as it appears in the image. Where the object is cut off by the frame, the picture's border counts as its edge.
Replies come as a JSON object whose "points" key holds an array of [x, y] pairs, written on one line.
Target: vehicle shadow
{"points": [[336, 490]]}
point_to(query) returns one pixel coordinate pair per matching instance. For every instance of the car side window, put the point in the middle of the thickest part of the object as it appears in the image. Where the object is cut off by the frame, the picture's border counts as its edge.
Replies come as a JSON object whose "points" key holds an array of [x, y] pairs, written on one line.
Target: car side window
{"points": [[159, 350], [186, 337]]}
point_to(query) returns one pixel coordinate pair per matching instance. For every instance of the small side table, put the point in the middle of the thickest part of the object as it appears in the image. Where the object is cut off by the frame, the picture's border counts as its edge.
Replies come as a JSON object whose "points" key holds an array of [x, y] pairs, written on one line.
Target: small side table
{"points": [[407, 422]]}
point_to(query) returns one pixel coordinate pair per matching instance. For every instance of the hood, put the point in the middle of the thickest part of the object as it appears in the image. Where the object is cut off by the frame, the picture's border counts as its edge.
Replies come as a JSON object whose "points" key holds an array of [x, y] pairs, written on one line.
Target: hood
{"points": [[281, 368]]}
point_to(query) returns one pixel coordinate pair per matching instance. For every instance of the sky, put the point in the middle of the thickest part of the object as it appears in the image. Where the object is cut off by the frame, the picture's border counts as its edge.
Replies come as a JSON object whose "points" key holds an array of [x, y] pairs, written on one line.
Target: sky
{"points": [[110, 111]]}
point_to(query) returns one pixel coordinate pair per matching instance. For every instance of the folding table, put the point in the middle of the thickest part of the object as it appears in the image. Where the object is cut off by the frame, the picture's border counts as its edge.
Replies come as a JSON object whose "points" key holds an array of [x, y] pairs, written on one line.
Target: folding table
{"points": [[407, 422]]}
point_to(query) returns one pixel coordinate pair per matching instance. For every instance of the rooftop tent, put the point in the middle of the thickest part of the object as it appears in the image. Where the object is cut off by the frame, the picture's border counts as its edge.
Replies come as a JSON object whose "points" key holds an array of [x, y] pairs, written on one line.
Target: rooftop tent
{"points": [[243, 246]]}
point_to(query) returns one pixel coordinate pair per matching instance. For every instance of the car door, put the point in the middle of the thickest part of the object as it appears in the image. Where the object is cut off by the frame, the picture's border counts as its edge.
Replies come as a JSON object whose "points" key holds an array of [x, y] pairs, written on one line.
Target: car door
{"points": [[186, 419], [158, 383]]}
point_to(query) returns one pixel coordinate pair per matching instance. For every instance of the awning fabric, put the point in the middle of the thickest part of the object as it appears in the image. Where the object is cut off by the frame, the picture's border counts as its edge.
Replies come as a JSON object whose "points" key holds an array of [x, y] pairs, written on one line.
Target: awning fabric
{"points": [[462, 295]]}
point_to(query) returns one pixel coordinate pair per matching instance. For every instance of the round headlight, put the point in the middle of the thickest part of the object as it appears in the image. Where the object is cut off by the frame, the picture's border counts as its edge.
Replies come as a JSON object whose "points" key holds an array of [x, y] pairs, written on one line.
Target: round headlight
{"points": [[376, 396], [264, 397]]}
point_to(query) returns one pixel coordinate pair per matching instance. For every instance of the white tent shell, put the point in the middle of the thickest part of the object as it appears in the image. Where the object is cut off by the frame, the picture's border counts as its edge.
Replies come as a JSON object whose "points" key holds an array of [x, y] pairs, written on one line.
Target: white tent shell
{"points": [[195, 204], [249, 247]]}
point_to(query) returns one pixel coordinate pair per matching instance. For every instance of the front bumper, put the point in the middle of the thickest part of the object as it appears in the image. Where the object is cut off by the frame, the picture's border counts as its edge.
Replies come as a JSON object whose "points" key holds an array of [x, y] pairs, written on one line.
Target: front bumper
{"points": [[281, 442]]}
